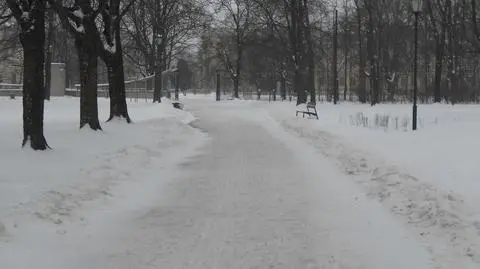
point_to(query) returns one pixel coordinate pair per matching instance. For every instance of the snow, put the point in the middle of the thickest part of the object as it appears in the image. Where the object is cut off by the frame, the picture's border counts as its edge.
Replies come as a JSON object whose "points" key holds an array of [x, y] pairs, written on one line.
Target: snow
{"points": [[25, 15], [78, 13], [111, 49], [426, 179], [78, 28], [252, 200], [242, 184], [48, 198]]}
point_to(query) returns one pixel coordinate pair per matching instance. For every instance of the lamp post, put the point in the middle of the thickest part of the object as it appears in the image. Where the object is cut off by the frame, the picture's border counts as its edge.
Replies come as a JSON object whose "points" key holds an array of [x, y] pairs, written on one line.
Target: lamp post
{"points": [[417, 6]]}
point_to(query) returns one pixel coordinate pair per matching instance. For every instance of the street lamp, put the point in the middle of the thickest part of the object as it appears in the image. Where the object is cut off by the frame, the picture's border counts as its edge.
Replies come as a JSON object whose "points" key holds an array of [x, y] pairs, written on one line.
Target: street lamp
{"points": [[417, 6]]}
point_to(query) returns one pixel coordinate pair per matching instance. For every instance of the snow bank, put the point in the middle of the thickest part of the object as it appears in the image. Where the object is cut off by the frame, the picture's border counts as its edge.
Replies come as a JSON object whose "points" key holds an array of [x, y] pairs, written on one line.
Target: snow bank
{"points": [[427, 179], [49, 189]]}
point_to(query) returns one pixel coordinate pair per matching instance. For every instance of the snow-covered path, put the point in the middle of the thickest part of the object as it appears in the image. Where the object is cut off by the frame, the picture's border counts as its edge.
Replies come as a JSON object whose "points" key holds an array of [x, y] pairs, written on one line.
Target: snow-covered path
{"points": [[253, 199], [253, 196]]}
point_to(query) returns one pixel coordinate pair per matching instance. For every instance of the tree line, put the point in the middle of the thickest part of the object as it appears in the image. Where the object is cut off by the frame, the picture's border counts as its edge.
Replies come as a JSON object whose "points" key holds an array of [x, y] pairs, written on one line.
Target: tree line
{"points": [[363, 47], [92, 40], [347, 49], [147, 34]]}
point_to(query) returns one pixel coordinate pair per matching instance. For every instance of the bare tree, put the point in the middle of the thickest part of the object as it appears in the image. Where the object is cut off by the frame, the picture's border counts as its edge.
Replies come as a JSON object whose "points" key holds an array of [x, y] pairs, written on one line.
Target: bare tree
{"points": [[437, 13], [112, 55], [80, 21], [238, 22], [31, 18], [310, 54], [294, 14], [157, 31], [362, 91]]}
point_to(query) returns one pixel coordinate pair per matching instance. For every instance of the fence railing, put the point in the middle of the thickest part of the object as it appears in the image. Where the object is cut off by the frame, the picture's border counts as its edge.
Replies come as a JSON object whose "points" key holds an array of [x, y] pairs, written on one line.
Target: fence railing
{"points": [[12, 90], [135, 89]]}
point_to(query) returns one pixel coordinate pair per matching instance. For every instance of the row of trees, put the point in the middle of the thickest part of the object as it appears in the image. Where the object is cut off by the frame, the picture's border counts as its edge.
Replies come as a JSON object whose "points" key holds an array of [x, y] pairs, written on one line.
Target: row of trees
{"points": [[95, 29], [449, 46], [157, 32], [150, 34], [293, 41], [300, 44], [260, 42]]}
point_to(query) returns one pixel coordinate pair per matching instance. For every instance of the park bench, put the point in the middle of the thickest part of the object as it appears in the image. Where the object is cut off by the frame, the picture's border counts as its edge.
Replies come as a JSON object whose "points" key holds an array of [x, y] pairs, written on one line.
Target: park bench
{"points": [[311, 110], [177, 105]]}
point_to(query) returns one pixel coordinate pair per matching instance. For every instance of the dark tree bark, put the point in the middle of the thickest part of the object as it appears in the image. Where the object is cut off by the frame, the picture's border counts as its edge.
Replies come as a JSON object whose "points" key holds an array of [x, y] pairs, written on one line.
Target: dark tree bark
{"points": [[335, 59], [439, 52], [362, 89], [310, 55], [294, 12], [32, 38], [157, 55], [236, 84], [283, 88], [373, 57], [87, 40], [116, 87], [298, 81], [157, 92], [437, 14], [346, 43], [114, 61], [88, 60]]}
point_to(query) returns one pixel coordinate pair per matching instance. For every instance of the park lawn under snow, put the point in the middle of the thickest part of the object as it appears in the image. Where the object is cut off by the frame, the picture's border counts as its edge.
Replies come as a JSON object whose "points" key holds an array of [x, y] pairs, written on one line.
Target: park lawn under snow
{"points": [[91, 182], [429, 179], [45, 195], [443, 151]]}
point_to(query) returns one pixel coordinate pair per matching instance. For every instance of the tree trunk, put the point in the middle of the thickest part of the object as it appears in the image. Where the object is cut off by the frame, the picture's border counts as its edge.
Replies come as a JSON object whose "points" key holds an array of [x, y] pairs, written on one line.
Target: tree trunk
{"points": [[33, 42], [159, 68], [157, 96], [346, 42], [283, 88], [335, 59], [235, 86], [116, 81], [299, 87], [310, 54], [439, 52], [238, 68], [116, 89], [296, 35], [362, 95], [373, 69], [88, 83], [373, 58]]}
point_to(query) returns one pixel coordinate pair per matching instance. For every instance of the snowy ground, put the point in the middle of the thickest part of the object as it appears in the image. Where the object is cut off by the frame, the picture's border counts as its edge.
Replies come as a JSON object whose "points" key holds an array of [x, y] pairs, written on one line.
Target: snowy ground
{"points": [[51, 201], [426, 179], [246, 185]]}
